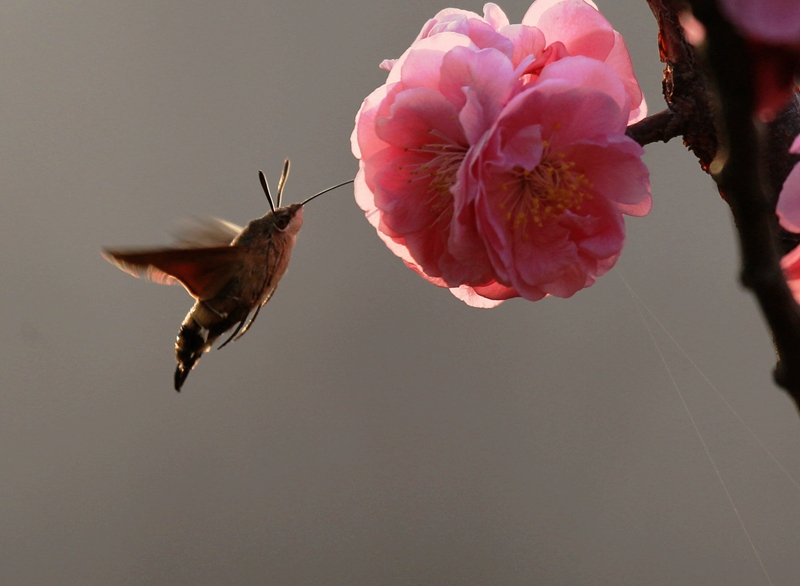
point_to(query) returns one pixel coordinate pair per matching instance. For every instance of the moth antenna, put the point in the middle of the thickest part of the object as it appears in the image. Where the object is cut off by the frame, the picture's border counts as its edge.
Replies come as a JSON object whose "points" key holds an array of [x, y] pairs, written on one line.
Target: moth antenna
{"points": [[326, 191], [282, 180], [265, 187]]}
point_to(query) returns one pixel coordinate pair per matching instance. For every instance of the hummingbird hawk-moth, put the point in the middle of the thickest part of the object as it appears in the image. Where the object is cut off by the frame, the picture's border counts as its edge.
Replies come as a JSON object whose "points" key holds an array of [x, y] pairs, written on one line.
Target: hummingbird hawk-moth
{"points": [[230, 271]]}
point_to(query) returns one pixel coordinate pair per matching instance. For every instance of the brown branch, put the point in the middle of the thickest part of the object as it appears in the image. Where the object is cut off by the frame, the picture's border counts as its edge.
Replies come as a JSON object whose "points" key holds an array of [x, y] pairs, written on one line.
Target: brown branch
{"points": [[749, 191], [685, 84], [749, 162], [660, 127]]}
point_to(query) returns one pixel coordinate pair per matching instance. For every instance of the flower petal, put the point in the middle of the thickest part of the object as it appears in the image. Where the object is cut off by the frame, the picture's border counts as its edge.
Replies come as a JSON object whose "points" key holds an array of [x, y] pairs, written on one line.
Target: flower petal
{"points": [[577, 24], [788, 208]]}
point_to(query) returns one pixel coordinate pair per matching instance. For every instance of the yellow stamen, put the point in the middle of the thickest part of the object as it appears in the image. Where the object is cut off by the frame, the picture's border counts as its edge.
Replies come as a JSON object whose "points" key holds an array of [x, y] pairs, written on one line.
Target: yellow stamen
{"points": [[440, 170], [545, 192]]}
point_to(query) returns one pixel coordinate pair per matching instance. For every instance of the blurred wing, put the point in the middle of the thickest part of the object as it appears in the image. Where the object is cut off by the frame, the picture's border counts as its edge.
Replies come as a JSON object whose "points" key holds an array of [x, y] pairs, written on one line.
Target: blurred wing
{"points": [[205, 233], [203, 271]]}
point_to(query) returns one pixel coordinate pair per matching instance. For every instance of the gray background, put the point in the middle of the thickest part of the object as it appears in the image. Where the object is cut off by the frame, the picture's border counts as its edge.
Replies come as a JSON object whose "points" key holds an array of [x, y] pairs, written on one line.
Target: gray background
{"points": [[370, 429]]}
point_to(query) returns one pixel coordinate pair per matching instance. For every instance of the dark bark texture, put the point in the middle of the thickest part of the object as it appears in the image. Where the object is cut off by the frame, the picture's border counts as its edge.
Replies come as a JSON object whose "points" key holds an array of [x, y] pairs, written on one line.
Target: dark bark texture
{"points": [[710, 97]]}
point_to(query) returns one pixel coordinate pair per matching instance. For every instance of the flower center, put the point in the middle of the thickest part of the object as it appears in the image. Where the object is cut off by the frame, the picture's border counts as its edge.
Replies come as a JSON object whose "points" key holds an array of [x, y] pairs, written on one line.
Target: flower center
{"points": [[544, 192], [440, 172]]}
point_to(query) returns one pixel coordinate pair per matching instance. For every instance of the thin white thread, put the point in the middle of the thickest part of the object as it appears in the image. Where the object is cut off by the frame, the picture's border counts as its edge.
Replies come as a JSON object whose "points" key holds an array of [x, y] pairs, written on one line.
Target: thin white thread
{"points": [[694, 424], [717, 391]]}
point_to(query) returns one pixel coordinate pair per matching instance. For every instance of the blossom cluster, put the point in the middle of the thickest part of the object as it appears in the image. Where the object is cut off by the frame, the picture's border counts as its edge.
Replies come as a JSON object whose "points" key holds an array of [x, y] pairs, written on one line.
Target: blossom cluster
{"points": [[494, 159]]}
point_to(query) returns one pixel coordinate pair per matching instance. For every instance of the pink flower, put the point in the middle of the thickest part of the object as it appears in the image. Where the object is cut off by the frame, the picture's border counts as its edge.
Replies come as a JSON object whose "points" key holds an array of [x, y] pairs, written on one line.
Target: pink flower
{"points": [[791, 270], [541, 199], [481, 31], [579, 26], [788, 210], [412, 135], [550, 30], [441, 100]]}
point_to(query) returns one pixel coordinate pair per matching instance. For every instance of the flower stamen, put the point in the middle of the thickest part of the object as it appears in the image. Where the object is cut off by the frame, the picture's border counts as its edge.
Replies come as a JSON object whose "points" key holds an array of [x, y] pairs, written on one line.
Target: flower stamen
{"points": [[440, 171], [545, 192]]}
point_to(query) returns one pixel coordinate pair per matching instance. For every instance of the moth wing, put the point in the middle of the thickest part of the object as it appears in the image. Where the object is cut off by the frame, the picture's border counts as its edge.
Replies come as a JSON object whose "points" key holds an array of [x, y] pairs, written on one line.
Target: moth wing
{"points": [[205, 233], [203, 271]]}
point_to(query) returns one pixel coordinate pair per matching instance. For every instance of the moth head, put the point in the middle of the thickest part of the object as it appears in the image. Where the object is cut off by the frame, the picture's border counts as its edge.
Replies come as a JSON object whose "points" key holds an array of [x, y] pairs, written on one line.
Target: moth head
{"points": [[289, 219]]}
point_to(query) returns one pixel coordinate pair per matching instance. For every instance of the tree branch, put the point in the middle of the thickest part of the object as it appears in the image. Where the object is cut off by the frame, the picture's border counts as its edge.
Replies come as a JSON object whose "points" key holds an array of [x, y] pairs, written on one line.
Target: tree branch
{"points": [[659, 127], [685, 84], [748, 161]]}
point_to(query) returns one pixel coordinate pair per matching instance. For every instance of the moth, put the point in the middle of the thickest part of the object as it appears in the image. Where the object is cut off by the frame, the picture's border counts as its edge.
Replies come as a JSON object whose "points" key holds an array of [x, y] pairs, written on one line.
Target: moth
{"points": [[232, 272]]}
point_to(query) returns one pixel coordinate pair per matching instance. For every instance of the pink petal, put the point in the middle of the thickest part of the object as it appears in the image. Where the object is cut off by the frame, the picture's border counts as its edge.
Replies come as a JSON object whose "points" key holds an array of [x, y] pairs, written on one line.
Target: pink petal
{"points": [[587, 74], [527, 40], [415, 115], [582, 29], [481, 31], [598, 232], [791, 270], [363, 139], [449, 19], [478, 84], [364, 199], [788, 208], [540, 6], [615, 169], [620, 61], [555, 51], [496, 294], [419, 65], [494, 15], [566, 115]]}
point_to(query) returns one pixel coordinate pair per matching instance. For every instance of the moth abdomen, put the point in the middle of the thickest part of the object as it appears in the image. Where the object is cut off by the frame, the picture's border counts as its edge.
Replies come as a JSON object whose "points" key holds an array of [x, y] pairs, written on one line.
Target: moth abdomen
{"points": [[189, 346]]}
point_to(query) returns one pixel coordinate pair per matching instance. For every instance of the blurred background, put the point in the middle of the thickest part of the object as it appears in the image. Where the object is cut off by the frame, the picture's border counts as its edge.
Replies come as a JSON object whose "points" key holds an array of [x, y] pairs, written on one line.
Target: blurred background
{"points": [[370, 428]]}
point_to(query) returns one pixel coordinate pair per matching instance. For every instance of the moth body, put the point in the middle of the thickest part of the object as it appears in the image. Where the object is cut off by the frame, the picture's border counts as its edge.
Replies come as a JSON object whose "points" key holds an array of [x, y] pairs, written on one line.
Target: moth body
{"points": [[230, 271], [267, 244]]}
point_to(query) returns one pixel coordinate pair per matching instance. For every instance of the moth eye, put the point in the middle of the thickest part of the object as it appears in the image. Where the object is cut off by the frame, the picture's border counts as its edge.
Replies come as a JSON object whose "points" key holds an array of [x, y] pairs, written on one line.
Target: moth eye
{"points": [[282, 222]]}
